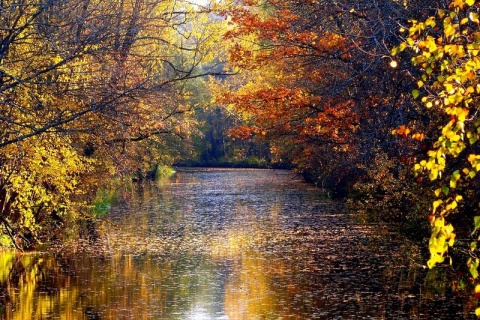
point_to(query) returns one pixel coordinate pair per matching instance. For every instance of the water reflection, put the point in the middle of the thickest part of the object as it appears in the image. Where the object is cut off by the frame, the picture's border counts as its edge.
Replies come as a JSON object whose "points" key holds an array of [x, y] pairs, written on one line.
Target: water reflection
{"points": [[229, 244]]}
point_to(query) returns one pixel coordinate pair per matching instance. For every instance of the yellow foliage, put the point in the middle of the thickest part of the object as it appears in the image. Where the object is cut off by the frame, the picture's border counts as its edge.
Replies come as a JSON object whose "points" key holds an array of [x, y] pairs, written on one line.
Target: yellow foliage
{"points": [[40, 180], [95, 76], [450, 64]]}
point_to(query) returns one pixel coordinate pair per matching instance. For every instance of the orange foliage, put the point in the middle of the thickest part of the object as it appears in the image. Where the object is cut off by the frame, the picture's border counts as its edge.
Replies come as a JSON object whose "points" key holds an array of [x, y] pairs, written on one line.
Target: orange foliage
{"points": [[283, 97]]}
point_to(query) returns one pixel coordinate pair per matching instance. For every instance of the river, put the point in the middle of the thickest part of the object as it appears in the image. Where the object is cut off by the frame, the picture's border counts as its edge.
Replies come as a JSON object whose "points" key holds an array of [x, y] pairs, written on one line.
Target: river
{"points": [[230, 244]]}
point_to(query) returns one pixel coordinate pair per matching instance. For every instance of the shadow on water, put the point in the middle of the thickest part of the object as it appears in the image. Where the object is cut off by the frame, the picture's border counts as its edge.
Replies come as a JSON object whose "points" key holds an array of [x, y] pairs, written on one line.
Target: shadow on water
{"points": [[230, 244]]}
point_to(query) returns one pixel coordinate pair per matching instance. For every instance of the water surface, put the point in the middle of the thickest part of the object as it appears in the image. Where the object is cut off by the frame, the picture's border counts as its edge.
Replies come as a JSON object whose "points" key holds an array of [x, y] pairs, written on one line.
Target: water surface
{"points": [[229, 244]]}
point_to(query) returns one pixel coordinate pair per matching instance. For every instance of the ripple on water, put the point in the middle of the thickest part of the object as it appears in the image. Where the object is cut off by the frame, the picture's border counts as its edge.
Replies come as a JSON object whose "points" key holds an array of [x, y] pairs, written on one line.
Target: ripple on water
{"points": [[239, 244]]}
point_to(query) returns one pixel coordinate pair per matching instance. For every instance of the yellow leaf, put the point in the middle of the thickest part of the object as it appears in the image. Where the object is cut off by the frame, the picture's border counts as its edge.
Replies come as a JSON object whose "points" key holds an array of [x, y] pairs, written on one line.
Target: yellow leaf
{"points": [[448, 229], [418, 136], [453, 184], [440, 222], [451, 242], [473, 17], [452, 205], [436, 203]]}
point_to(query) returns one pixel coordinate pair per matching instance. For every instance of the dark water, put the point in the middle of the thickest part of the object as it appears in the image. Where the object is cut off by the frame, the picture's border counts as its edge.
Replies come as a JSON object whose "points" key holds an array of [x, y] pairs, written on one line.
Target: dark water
{"points": [[230, 244]]}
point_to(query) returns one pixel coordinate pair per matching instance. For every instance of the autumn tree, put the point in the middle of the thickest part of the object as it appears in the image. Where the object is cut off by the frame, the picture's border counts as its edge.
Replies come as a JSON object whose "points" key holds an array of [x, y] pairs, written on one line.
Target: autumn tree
{"points": [[276, 99], [318, 82], [445, 48], [90, 86]]}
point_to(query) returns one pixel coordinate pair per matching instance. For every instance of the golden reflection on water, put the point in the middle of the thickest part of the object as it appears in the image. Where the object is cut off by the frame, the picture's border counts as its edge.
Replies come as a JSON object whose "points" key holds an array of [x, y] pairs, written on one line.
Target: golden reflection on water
{"points": [[167, 260], [247, 294], [126, 286], [39, 287]]}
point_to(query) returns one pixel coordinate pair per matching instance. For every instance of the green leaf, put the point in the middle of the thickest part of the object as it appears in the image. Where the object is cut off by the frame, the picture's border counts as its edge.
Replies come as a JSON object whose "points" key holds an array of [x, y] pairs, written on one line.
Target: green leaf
{"points": [[445, 190], [473, 268], [415, 93], [476, 223], [473, 245], [474, 272], [456, 174]]}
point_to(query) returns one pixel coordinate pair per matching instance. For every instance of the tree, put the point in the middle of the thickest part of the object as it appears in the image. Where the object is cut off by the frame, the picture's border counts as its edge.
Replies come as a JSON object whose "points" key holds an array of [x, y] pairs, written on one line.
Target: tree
{"points": [[92, 85], [318, 83], [445, 48]]}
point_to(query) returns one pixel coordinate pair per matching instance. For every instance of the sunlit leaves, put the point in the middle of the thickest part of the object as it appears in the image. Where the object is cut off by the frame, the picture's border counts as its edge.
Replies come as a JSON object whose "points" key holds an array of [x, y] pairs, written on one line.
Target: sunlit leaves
{"points": [[442, 237], [92, 85], [41, 183], [287, 68], [473, 267], [445, 48]]}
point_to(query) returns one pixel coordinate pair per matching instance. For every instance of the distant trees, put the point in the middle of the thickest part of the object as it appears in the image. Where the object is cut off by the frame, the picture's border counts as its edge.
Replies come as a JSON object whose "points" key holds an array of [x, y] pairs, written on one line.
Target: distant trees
{"points": [[215, 146]]}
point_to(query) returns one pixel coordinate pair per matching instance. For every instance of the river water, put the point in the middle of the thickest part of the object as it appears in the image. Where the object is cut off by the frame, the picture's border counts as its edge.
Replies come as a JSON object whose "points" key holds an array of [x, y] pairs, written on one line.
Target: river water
{"points": [[230, 244]]}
